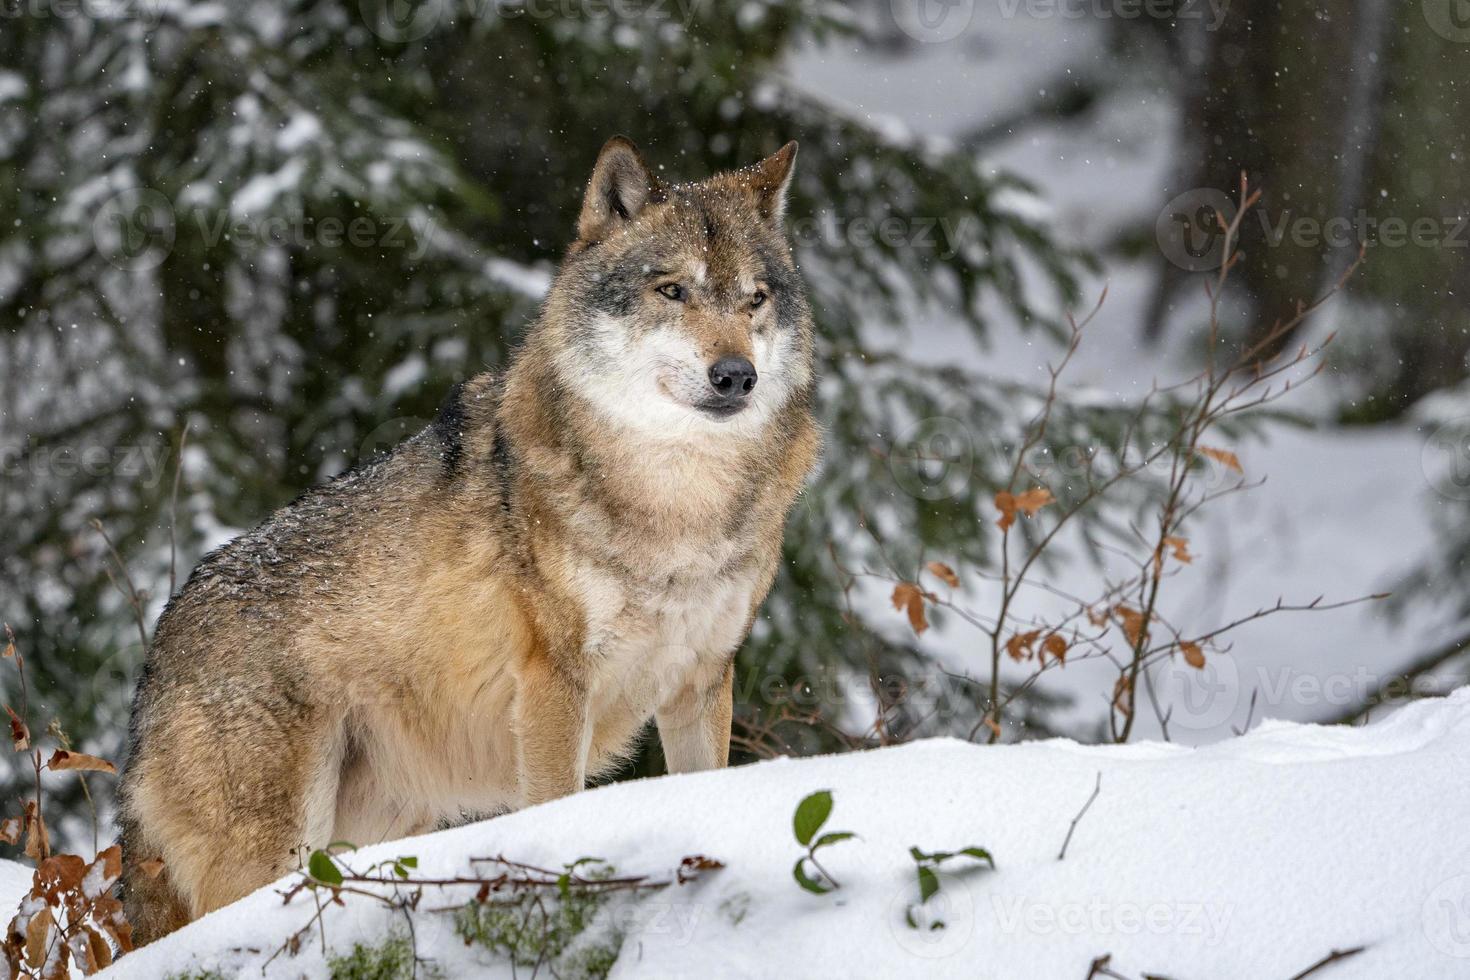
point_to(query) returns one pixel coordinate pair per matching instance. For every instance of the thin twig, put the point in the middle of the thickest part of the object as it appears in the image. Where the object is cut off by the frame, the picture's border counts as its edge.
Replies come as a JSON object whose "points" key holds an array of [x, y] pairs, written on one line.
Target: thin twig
{"points": [[1096, 789], [173, 511], [1332, 957]]}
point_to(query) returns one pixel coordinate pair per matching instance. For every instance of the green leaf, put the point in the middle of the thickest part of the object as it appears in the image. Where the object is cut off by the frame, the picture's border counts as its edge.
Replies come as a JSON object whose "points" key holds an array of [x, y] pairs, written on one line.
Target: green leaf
{"points": [[835, 837], [321, 867], [980, 854], [928, 883], [811, 813], [409, 862], [814, 885]]}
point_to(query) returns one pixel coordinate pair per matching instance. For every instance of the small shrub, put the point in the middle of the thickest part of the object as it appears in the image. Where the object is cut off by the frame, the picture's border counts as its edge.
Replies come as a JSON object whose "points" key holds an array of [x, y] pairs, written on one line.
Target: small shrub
{"points": [[534, 928], [391, 959]]}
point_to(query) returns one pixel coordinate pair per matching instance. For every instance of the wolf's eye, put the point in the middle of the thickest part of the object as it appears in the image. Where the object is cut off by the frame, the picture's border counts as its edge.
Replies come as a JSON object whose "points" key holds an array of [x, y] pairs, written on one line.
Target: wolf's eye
{"points": [[673, 291], [758, 299]]}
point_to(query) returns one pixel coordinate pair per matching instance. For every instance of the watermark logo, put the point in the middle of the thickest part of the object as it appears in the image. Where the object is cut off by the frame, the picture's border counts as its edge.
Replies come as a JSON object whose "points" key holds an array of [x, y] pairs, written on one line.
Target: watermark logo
{"points": [[1191, 229], [1446, 459], [933, 459], [1199, 699], [1450, 19], [941, 925], [932, 21], [401, 21], [1446, 914], [135, 229]]}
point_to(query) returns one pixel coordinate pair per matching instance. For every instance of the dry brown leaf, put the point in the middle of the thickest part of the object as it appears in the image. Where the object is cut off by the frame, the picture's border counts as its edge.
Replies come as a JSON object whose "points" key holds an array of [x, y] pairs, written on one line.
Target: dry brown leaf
{"points": [[10, 830], [1019, 645], [100, 950], [1027, 503], [38, 841], [38, 931], [1033, 500], [59, 874], [1005, 502], [20, 735], [107, 867], [1121, 691], [910, 598], [1056, 647], [1224, 457], [1193, 655], [944, 573], [62, 759], [1179, 549], [1133, 625]]}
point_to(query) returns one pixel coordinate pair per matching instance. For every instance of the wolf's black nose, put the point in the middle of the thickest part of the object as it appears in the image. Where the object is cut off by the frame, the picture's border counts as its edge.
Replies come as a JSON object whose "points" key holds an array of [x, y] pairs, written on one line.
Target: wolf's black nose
{"points": [[733, 377]]}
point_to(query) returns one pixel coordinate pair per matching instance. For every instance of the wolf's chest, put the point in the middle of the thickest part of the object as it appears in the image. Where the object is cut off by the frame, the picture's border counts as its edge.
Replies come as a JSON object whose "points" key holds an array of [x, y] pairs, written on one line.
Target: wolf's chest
{"points": [[647, 639]]}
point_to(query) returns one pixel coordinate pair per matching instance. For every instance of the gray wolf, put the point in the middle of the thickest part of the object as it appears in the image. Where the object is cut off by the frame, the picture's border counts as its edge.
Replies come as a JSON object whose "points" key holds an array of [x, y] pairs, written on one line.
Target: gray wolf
{"points": [[489, 615]]}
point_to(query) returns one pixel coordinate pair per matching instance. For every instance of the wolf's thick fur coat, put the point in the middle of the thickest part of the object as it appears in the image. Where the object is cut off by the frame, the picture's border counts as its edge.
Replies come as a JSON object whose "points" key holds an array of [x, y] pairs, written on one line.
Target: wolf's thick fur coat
{"points": [[490, 614]]}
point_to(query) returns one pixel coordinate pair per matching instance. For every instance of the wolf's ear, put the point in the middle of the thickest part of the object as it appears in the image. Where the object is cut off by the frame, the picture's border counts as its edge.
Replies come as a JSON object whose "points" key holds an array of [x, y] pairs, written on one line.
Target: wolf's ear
{"points": [[769, 180], [621, 185]]}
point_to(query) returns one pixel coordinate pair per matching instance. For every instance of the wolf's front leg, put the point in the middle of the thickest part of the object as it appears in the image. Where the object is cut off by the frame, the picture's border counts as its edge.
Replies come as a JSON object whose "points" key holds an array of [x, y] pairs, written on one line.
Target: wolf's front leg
{"points": [[694, 724], [551, 732]]}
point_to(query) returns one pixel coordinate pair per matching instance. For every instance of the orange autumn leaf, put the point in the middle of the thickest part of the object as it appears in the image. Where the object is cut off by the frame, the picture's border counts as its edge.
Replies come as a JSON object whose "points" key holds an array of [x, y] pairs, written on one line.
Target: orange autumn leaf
{"points": [[944, 573], [1224, 457], [63, 759], [1018, 647], [1193, 655], [20, 735], [38, 841], [1133, 625], [1122, 695], [1178, 549], [1055, 646], [909, 598], [1027, 503]]}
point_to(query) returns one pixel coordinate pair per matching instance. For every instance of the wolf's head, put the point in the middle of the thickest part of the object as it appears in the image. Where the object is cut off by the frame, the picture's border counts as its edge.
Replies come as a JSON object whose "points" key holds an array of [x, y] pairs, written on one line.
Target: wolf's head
{"points": [[678, 310]]}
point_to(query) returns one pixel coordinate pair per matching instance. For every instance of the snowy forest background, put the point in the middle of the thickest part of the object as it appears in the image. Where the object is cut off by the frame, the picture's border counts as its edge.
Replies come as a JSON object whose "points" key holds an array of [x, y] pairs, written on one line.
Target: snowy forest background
{"points": [[288, 227]]}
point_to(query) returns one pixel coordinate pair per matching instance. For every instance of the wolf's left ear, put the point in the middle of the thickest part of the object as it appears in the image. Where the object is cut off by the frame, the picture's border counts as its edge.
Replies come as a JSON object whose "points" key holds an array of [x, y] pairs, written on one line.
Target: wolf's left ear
{"points": [[770, 178], [621, 185]]}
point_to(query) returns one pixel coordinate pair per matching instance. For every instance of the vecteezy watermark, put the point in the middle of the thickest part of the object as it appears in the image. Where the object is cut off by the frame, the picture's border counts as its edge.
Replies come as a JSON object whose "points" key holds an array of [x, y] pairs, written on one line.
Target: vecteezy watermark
{"points": [[1207, 698], [1450, 19], [147, 12], [1191, 230], [1209, 921], [145, 464], [1445, 459], [137, 228], [945, 236], [1446, 917], [1212, 12], [403, 21], [932, 21]]}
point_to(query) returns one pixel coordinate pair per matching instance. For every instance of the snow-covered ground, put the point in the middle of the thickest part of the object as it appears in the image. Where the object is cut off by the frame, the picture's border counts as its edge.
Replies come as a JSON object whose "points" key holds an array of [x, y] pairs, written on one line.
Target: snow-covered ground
{"points": [[1344, 512], [1256, 857]]}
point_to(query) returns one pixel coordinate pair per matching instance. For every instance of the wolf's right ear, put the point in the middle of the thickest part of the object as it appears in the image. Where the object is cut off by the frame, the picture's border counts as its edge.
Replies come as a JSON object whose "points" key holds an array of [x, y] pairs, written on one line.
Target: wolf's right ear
{"points": [[621, 185]]}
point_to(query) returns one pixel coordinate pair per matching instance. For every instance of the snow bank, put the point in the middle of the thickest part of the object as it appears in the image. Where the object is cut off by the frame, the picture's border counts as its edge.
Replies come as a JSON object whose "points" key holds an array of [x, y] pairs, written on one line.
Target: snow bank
{"points": [[1253, 858]]}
